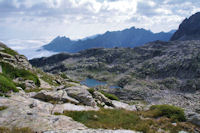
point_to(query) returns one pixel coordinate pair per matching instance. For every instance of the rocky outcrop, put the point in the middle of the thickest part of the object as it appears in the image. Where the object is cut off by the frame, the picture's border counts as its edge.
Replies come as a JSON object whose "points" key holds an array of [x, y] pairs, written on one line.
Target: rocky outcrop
{"points": [[121, 105], [101, 99], [194, 118], [81, 94], [55, 96], [19, 61], [189, 29], [28, 112], [29, 84], [10, 56], [60, 108]]}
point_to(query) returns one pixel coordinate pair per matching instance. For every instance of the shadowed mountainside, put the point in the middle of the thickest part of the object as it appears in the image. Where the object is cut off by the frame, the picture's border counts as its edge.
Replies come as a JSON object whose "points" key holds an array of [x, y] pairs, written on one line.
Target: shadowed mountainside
{"points": [[189, 29]]}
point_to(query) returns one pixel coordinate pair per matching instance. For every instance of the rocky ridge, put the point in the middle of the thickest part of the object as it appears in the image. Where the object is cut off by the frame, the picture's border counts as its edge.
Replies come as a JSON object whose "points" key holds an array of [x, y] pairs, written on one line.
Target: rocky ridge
{"points": [[189, 29], [126, 38]]}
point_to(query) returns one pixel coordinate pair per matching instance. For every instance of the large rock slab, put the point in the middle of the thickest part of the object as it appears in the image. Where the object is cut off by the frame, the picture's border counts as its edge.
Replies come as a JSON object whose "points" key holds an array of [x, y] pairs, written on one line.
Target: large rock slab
{"points": [[81, 94], [121, 105], [60, 108], [35, 114], [57, 96], [44, 84]]}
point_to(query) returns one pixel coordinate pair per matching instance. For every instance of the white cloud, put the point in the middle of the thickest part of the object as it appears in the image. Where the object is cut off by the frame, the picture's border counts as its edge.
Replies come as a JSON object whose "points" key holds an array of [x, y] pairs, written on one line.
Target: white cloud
{"points": [[30, 48], [33, 19], [35, 22]]}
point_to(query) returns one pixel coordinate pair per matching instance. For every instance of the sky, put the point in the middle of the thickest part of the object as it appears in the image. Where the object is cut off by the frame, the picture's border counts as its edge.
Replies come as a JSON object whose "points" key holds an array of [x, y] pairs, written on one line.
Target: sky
{"points": [[36, 22]]}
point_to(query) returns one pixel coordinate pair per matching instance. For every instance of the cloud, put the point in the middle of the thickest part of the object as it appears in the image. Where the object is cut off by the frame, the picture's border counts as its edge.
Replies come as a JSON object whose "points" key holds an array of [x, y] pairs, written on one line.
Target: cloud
{"points": [[30, 48], [26, 25], [39, 19]]}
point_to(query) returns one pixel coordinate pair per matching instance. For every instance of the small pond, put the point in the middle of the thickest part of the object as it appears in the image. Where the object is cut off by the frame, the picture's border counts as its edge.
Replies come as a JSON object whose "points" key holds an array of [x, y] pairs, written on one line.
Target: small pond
{"points": [[93, 83]]}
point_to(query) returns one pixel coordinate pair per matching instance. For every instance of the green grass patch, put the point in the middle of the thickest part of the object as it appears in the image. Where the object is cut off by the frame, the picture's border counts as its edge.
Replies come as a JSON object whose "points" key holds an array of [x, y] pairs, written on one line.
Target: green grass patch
{"points": [[108, 119], [110, 96], [22, 85], [123, 119], [6, 84], [169, 111], [3, 108], [13, 73], [69, 85], [47, 78], [91, 91], [9, 51], [33, 90]]}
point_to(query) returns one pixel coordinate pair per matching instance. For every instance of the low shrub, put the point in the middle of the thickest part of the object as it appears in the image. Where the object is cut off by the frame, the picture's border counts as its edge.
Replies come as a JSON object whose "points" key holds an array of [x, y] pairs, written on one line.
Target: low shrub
{"points": [[33, 90], [6, 84], [105, 118], [9, 51], [3, 108], [123, 119], [22, 85], [47, 78], [13, 73], [169, 111], [91, 91]]}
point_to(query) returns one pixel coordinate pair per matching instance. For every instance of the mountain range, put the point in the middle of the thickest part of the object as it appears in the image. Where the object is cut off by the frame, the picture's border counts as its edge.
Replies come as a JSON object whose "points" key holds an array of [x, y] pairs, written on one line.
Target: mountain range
{"points": [[126, 38]]}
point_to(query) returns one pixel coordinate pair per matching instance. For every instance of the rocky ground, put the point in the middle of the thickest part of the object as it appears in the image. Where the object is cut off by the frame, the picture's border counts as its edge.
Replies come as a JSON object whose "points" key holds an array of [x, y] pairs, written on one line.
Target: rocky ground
{"points": [[25, 111], [31, 98], [33, 102], [157, 73]]}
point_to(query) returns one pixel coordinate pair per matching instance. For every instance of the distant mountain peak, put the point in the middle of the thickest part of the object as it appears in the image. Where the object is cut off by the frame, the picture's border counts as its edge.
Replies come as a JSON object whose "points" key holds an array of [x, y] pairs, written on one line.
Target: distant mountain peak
{"points": [[62, 38], [189, 29], [129, 37]]}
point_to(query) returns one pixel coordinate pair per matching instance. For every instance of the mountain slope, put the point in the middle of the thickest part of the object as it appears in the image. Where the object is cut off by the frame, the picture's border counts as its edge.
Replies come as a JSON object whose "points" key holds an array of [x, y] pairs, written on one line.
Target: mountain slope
{"points": [[156, 60], [189, 29], [29, 97], [47, 105], [158, 72], [126, 38]]}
